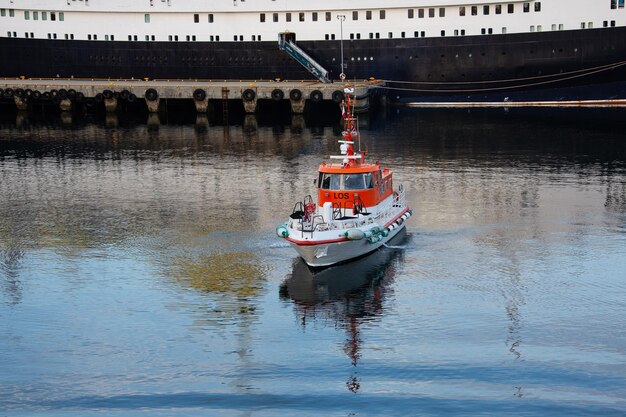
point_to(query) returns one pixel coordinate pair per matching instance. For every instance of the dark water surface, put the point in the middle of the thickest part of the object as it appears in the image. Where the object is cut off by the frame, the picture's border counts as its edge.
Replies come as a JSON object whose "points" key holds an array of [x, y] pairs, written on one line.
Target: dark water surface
{"points": [[140, 274]]}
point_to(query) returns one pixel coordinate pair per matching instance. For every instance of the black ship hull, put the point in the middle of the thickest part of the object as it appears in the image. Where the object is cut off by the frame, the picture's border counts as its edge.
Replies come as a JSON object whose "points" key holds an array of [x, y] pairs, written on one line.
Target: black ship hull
{"points": [[557, 65]]}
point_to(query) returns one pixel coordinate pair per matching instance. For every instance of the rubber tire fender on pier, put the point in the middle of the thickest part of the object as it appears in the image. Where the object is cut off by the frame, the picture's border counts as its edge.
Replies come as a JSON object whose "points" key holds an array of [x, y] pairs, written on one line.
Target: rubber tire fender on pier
{"points": [[338, 96], [28, 92], [277, 94], [62, 94], [71, 94], [132, 98], [248, 94], [107, 94], [36, 95], [295, 94], [19, 92], [316, 96], [124, 94], [80, 97], [1, 92], [99, 98], [199, 94], [8, 93], [151, 94]]}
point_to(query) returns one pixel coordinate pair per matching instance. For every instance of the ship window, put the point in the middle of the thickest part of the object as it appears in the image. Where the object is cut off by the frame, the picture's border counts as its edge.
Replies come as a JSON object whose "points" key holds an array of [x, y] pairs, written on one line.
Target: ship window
{"points": [[275, 17], [330, 181], [241, 37], [259, 38], [67, 36], [353, 182], [462, 11], [462, 32], [211, 38], [532, 28], [358, 36], [511, 8], [554, 26], [301, 17], [26, 15], [314, 16], [423, 34], [402, 35], [371, 35], [503, 30], [71, 36], [326, 36], [35, 15], [254, 37], [175, 38], [210, 17], [482, 31], [262, 17], [431, 12], [490, 31], [12, 14], [537, 6], [288, 17], [369, 180], [328, 16], [53, 16], [196, 18], [498, 9], [590, 25], [443, 33], [352, 36], [390, 35], [442, 12], [234, 37], [485, 9], [612, 25], [355, 15], [613, 4], [420, 13], [526, 7], [44, 15], [411, 13], [88, 37], [474, 10], [152, 37], [620, 4], [332, 36], [61, 16], [382, 15], [582, 25], [368, 15], [193, 38], [95, 37], [3, 13], [146, 18]]}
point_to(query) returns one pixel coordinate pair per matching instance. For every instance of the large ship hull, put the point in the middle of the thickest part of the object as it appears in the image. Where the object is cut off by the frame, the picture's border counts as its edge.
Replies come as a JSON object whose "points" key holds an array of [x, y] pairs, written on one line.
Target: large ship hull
{"points": [[553, 65]]}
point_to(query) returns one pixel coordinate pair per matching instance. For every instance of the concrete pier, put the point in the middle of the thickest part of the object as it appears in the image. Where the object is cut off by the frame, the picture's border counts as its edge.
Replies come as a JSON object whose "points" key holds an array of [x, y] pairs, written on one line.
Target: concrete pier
{"points": [[67, 92]]}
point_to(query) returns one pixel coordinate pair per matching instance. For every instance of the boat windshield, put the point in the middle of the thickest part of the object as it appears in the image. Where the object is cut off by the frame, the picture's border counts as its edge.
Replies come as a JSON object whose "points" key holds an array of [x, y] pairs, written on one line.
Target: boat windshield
{"points": [[360, 181]]}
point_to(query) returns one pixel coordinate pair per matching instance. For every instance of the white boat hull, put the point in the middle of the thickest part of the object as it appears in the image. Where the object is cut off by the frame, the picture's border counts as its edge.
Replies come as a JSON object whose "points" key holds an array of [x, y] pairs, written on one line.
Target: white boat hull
{"points": [[326, 254]]}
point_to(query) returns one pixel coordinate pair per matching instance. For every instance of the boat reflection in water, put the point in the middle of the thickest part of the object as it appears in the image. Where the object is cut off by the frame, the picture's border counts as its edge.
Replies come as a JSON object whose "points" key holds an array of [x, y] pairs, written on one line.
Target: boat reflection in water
{"points": [[347, 294]]}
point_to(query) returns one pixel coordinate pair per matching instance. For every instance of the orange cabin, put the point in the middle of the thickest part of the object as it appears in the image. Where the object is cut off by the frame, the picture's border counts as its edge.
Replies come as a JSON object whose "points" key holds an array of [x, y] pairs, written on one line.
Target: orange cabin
{"points": [[364, 184]]}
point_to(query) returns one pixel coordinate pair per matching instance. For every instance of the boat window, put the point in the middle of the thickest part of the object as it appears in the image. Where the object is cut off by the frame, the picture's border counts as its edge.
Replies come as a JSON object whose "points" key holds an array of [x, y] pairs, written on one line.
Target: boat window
{"points": [[353, 182], [330, 181], [369, 180]]}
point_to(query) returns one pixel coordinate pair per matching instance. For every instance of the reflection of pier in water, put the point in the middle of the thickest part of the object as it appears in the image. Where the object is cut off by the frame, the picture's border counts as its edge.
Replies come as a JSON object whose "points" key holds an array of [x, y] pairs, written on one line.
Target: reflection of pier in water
{"points": [[347, 295]]}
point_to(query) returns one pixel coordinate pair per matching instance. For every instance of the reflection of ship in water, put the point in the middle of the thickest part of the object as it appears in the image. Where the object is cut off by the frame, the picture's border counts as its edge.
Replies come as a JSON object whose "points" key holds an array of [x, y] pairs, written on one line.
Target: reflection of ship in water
{"points": [[347, 294]]}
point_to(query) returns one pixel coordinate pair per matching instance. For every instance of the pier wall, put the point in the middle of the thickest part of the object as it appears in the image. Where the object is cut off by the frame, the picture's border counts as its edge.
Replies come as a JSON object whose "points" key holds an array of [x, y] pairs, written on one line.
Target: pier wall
{"points": [[109, 93]]}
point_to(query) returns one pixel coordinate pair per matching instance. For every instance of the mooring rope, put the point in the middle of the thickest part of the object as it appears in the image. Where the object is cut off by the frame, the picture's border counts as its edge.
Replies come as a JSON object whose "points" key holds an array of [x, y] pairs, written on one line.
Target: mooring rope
{"points": [[561, 77]]}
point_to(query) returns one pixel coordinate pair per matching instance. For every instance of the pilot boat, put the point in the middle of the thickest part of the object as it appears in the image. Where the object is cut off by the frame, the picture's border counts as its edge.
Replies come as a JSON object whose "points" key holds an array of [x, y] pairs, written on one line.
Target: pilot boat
{"points": [[357, 209]]}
